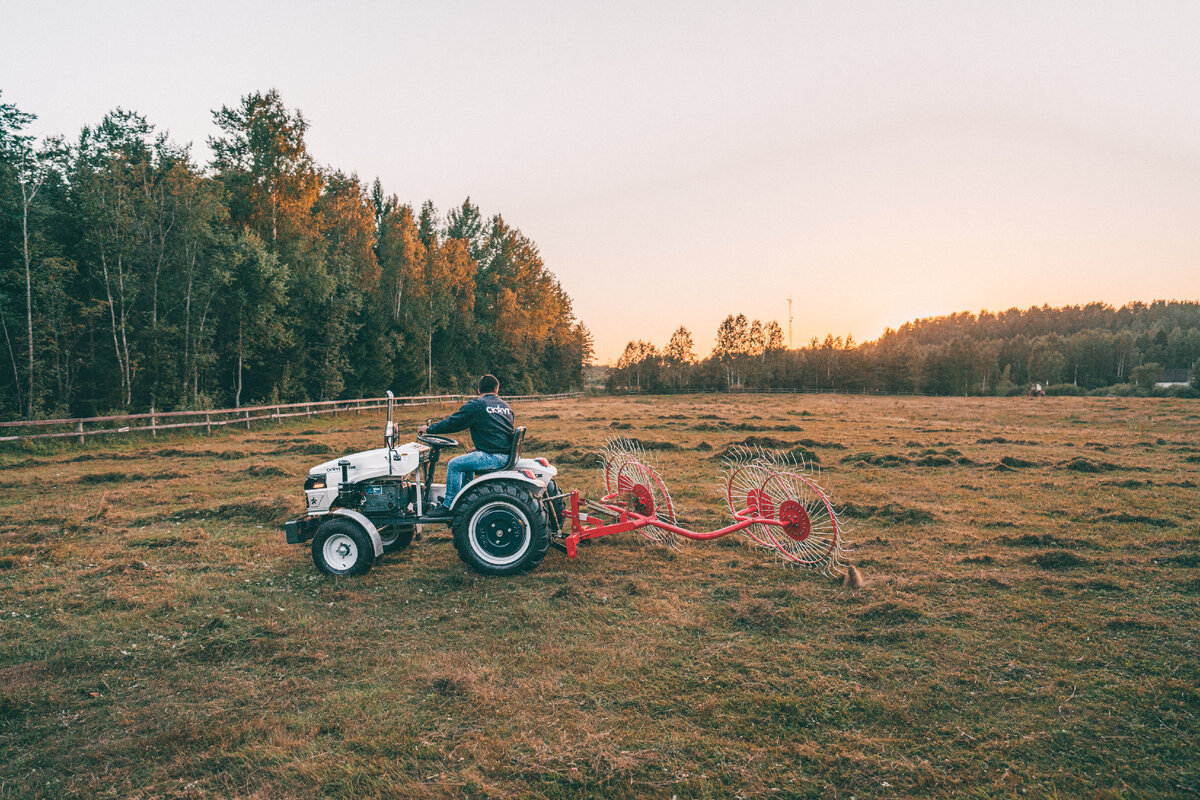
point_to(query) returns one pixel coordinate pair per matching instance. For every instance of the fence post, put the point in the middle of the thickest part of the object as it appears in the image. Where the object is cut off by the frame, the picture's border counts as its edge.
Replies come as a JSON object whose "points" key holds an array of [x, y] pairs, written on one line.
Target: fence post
{"points": [[153, 424], [307, 410], [208, 423], [247, 420], [79, 430], [275, 414]]}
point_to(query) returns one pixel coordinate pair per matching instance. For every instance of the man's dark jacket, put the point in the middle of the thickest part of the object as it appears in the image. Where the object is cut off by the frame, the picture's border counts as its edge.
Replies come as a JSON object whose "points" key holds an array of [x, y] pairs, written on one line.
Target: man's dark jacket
{"points": [[490, 420]]}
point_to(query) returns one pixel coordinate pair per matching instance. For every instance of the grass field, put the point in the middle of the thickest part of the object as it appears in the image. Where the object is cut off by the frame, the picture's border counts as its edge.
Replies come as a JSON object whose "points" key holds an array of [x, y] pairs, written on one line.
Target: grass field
{"points": [[1028, 628]]}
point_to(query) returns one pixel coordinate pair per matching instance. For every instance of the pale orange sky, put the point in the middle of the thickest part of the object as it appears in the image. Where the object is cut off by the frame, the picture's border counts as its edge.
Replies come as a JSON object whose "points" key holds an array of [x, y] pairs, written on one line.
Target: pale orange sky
{"points": [[677, 162]]}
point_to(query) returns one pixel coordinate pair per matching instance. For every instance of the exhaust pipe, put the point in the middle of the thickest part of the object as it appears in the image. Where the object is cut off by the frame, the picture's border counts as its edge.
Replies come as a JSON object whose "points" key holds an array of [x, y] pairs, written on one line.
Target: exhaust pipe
{"points": [[389, 430]]}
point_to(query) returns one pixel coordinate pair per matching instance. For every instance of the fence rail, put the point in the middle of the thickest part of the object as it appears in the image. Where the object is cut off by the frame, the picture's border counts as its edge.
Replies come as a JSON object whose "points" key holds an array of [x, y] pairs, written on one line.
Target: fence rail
{"points": [[156, 421]]}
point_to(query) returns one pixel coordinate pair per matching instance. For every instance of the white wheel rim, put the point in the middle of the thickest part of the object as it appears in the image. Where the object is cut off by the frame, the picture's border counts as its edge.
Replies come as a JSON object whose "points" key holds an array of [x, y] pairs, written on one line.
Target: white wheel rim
{"points": [[340, 552], [389, 538], [477, 547]]}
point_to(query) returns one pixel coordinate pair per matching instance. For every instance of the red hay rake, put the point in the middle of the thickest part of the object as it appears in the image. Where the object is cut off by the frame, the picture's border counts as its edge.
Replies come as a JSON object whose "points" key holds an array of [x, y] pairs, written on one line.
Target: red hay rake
{"points": [[775, 501]]}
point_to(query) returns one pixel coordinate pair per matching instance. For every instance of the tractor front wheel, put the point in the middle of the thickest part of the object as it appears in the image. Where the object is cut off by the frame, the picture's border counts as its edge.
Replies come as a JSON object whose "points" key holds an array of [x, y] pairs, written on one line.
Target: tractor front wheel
{"points": [[342, 547], [501, 529]]}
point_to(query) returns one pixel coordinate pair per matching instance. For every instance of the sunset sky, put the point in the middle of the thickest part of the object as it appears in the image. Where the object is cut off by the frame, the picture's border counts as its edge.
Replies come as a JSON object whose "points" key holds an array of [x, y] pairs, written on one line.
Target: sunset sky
{"points": [[677, 162]]}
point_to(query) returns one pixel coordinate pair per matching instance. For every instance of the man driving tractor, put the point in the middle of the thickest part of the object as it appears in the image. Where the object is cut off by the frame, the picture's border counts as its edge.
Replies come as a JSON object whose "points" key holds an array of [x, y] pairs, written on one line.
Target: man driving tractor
{"points": [[490, 421]]}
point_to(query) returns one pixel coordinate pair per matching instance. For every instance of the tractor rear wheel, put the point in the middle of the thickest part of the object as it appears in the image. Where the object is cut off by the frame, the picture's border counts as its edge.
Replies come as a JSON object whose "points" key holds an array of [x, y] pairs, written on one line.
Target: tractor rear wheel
{"points": [[342, 547], [500, 528], [396, 537]]}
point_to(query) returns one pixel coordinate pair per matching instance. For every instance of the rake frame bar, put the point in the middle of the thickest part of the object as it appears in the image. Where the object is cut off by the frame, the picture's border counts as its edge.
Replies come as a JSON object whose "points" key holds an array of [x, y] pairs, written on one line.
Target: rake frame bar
{"points": [[774, 499], [584, 527]]}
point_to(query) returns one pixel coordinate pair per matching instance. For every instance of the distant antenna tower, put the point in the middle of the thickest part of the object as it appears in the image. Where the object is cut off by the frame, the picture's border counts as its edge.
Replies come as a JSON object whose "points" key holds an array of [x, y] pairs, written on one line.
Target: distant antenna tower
{"points": [[789, 323]]}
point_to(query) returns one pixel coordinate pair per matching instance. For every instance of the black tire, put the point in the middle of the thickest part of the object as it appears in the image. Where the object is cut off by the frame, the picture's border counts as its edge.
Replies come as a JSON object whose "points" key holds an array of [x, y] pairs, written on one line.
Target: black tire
{"points": [[558, 508], [342, 547], [396, 537], [500, 528]]}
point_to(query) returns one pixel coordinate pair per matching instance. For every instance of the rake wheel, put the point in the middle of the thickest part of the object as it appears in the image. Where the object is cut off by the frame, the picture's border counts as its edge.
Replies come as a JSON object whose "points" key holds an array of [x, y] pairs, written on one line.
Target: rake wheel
{"points": [[764, 484], [629, 475], [616, 453], [649, 497], [811, 533], [744, 494]]}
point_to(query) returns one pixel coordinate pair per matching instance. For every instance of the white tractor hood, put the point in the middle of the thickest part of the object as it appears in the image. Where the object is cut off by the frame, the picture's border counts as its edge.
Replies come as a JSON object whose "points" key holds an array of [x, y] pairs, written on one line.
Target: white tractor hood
{"points": [[370, 464]]}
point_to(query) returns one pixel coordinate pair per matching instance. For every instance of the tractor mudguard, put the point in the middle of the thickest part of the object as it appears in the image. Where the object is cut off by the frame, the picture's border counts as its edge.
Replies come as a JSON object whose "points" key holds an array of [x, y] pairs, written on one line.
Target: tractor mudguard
{"points": [[366, 524], [535, 486]]}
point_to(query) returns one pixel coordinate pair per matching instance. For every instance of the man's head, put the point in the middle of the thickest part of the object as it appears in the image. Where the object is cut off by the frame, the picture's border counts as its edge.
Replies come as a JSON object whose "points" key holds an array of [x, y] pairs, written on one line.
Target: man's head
{"points": [[489, 384]]}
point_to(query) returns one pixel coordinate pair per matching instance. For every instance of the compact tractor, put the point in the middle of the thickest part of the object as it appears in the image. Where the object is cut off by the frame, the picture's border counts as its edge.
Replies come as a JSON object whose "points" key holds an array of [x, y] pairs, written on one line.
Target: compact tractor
{"points": [[505, 520], [370, 503]]}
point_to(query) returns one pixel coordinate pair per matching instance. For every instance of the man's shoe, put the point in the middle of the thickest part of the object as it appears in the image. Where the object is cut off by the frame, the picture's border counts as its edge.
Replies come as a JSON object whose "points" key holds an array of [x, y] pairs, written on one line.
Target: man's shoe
{"points": [[439, 512]]}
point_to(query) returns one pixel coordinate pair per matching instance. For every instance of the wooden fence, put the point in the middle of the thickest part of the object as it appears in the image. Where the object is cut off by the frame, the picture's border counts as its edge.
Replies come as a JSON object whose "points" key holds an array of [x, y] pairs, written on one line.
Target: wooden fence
{"points": [[81, 427]]}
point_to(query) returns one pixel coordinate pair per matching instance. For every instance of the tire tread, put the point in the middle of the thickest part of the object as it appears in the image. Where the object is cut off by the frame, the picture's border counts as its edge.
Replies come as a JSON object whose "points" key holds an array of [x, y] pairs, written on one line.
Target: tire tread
{"points": [[539, 537]]}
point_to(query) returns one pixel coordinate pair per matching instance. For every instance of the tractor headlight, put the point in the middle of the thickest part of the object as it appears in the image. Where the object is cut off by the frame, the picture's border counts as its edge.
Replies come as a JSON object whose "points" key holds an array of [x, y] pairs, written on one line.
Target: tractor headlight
{"points": [[313, 482]]}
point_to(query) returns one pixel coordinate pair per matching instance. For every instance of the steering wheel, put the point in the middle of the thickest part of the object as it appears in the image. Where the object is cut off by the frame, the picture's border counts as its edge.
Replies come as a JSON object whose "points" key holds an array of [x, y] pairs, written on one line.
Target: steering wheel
{"points": [[433, 440]]}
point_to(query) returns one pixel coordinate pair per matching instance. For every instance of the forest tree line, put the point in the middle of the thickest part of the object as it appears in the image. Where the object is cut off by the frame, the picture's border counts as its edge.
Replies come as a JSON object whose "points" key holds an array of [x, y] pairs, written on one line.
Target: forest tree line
{"points": [[132, 277], [1072, 350]]}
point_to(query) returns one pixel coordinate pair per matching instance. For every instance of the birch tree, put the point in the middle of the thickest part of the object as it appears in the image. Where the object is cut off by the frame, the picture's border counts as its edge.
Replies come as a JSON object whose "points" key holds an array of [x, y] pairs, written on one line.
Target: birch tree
{"points": [[111, 164], [16, 152], [252, 323]]}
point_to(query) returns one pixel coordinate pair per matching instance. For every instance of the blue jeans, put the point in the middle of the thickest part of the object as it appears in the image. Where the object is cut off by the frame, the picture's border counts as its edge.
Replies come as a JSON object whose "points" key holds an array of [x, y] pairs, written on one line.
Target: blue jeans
{"points": [[462, 469]]}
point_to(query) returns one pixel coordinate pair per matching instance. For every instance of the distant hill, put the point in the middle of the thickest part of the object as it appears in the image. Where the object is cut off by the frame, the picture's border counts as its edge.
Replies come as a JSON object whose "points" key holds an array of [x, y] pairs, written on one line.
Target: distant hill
{"points": [[1138, 318]]}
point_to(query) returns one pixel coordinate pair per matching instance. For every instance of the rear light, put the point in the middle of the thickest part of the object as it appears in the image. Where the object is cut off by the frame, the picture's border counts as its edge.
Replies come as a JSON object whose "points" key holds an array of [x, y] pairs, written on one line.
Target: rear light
{"points": [[528, 473], [542, 461]]}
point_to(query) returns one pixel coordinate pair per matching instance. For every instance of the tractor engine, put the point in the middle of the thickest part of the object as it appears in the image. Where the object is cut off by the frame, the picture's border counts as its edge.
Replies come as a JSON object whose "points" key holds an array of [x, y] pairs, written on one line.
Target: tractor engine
{"points": [[386, 497]]}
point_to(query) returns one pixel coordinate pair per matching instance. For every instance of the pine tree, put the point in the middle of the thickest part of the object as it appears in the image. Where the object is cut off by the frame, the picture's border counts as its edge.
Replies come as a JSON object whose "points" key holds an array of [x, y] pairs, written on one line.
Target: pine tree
{"points": [[466, 224], [427, 225]]}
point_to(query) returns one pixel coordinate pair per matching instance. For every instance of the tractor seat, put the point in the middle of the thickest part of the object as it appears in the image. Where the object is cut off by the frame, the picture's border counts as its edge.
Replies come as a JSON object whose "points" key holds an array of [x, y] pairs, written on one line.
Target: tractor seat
{"points": [[514, 451]]}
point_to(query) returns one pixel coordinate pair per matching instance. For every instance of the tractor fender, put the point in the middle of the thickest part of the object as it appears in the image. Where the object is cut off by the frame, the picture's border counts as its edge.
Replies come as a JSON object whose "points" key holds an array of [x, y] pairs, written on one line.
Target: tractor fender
{"points": [[365, 524], [535, 486]]}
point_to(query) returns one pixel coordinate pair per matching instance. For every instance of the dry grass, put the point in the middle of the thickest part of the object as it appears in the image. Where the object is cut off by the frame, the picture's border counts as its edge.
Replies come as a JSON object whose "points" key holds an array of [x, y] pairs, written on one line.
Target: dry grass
{"points": [[1027, 626]]}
